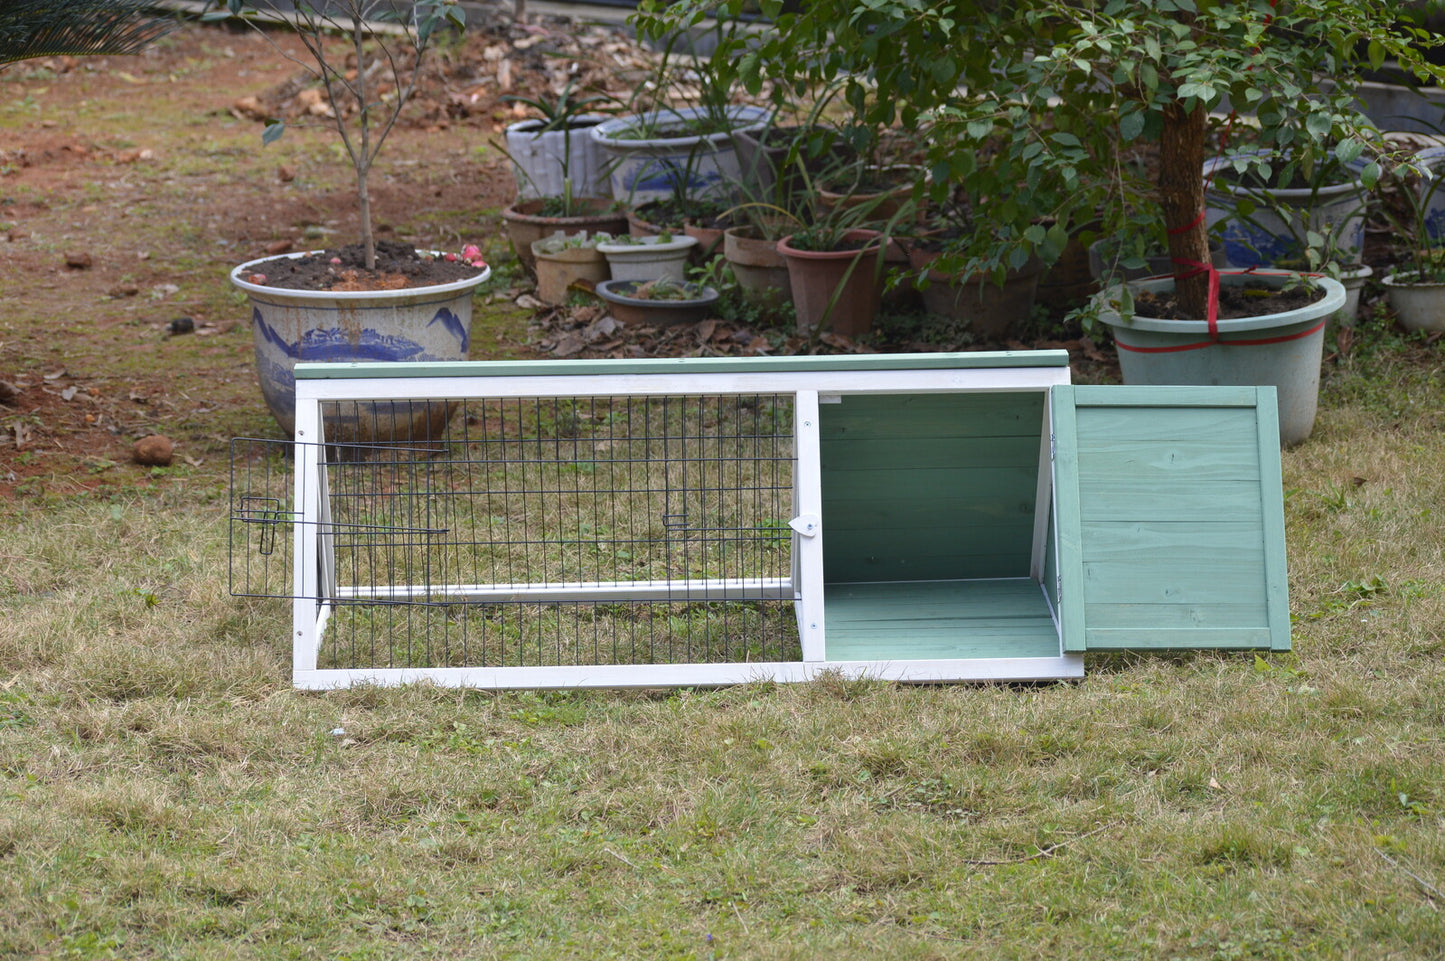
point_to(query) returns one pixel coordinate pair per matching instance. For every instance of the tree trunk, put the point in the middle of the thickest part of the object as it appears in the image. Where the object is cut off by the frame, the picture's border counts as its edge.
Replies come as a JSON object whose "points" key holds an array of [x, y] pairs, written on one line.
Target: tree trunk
{"points": [[1181, 195]]}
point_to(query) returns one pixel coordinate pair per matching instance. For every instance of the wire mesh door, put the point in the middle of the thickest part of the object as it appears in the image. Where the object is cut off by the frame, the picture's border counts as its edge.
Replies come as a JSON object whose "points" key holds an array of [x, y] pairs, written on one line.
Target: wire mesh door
{"points": [[537, 532]]}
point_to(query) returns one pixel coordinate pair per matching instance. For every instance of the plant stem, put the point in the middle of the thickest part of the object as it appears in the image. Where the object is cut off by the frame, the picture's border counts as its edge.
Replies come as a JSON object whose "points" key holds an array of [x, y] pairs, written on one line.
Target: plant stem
{"points": [[364, 154]]}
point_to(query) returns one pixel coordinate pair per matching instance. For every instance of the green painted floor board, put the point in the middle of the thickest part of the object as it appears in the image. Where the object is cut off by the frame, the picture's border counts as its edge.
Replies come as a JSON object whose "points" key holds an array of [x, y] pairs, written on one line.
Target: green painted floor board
{"points": [[920, 620]]}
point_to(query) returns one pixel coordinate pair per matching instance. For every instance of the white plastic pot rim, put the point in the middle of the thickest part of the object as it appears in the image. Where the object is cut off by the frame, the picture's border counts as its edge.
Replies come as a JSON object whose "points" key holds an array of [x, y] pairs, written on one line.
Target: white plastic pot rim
{"points": [[1396, 279], [1217, 165], [606, 133], [349, 296], [647, 247], [1333, 300]]}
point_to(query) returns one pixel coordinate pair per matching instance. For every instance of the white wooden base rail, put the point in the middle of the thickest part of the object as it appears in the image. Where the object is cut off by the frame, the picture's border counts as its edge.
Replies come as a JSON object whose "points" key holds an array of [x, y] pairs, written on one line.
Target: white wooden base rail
{"points": [[938, 517]]}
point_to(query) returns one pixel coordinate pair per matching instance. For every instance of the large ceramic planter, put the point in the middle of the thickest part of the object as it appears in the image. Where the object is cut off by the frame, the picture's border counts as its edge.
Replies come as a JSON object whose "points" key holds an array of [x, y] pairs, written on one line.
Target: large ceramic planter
{"points": [[558, 270], [660, 257], [673, 159], [645, 310], [1268, 236], [1432, 193], [1281, 350], [1417, 306], [838, 290], [988, 309], [543, 162], [413, 324], [759, 268], [526, 224]]}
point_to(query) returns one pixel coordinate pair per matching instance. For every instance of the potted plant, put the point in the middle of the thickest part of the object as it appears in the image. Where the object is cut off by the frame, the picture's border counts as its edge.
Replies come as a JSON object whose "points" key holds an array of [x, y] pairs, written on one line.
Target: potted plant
{"points": [[1416, 284], [1059, 93], [566, 259], [365, 301], [654, 257], [552, 155], [528, 221], [986, 307], [658, 302]]}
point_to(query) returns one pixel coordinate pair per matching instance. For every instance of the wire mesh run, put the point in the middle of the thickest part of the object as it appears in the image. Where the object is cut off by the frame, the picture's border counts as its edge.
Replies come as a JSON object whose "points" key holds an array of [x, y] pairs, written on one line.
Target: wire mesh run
{"points": [[532, 532]]}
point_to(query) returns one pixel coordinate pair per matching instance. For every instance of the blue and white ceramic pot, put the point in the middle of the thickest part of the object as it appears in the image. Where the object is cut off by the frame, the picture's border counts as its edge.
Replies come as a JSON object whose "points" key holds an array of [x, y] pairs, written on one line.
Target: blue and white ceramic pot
{"points": [[413, 324]]}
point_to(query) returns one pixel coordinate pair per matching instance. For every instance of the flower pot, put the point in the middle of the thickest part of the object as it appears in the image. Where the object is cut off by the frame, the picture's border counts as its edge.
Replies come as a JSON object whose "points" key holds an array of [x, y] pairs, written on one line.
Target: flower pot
{"points": [[640, 310], [680, 154], [1282, 350], [881, 205], [1432, 194], [649, 258], [558, 270], [1353, 279], [1282, 214], [1417, 306], [539, 160], [526, 224], [989, 309], [839, 290], [413, 324], [759, 268], [763, 152]]}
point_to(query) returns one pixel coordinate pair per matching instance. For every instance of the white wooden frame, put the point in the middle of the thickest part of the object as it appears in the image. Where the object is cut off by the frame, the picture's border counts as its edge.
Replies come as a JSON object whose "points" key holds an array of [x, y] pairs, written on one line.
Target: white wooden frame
{"points": [[314, 567]]}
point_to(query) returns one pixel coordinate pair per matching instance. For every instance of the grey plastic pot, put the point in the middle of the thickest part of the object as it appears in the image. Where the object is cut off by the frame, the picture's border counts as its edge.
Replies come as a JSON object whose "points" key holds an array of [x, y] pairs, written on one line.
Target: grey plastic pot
{"points": [[1417, 306], [1282, 350]]}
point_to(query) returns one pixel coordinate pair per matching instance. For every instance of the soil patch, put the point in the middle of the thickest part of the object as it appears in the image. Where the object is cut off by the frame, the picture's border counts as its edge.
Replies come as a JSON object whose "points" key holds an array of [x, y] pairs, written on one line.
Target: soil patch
{"points": [[1244, 300], [398, 266]]}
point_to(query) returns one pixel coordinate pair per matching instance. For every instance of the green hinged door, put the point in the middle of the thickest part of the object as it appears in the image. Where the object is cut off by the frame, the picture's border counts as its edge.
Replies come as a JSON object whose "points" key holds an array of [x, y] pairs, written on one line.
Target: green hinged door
{"points": [[1169, 518]]}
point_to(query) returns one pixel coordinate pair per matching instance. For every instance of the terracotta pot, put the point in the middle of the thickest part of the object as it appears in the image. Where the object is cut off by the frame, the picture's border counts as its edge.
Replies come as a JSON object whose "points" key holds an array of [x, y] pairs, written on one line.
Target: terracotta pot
{"points": [[525, 224], [839, 290], [988, 308], [759, 268], [560, 269], [882, 205]]}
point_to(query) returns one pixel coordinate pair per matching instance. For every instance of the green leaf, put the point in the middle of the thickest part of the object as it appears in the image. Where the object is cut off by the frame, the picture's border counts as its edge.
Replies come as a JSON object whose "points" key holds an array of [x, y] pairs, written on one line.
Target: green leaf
{"points": [[1370, 176], [272, 133], [1131, 125], [1319, 125]]}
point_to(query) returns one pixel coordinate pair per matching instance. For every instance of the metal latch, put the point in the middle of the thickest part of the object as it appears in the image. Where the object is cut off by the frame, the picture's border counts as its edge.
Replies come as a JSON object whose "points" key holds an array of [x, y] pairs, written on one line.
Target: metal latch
{"points": [[805, 524]]}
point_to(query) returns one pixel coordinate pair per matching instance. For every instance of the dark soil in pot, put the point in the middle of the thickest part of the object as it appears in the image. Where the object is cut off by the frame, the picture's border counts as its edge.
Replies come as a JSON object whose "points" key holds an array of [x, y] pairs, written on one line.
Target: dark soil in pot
{"points": [[398, 267], [1244, 300]]}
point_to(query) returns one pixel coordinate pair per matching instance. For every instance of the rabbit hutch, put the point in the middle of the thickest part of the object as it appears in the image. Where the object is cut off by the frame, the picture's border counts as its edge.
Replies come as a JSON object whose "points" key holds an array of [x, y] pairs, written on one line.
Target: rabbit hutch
{"points": [[705, 521]]}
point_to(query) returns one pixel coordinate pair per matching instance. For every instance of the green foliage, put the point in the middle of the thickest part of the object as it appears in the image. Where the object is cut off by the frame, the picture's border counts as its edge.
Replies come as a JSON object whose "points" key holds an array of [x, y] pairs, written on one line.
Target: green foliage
{"points": [[73, 28], [1057, 93]]}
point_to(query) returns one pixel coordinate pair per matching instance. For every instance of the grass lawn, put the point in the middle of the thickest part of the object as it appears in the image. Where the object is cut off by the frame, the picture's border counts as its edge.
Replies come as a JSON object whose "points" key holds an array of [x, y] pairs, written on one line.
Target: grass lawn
{"points": [[166, 793]]}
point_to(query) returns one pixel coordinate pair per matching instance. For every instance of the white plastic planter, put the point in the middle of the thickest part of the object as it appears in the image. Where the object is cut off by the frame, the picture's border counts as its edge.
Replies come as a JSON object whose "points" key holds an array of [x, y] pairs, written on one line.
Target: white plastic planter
{"points": [[656, 168], [539, 160], [1281, 350], [649, 258], [1417, 306], [336, 326], [1282, 214]]}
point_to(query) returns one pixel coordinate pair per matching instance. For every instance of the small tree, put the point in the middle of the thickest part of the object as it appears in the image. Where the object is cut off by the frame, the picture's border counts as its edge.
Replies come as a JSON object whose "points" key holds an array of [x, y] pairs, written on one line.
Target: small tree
{"points": [[1035, 106], [73, 28], [367, 100]]}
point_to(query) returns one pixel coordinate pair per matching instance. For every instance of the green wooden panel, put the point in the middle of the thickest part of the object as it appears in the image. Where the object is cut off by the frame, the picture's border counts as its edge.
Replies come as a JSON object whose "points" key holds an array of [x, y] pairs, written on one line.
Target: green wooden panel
{"points": [[979, 360], [924, 486], [894, 416], [1170, 518], [957, 619]]}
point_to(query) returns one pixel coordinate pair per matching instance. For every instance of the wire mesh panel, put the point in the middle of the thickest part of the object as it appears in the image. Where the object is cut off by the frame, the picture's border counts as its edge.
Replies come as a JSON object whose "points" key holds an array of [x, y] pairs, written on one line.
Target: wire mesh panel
{"points": [[534, 532]]}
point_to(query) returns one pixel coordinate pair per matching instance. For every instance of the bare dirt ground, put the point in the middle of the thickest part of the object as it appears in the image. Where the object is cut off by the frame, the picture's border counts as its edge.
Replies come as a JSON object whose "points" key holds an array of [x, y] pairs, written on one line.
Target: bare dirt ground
{"points": [[129, 186]]}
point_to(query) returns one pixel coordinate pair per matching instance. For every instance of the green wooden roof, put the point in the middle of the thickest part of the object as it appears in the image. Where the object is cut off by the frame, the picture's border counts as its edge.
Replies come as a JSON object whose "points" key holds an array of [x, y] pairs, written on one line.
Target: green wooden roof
{"points": [[973, 360]]}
